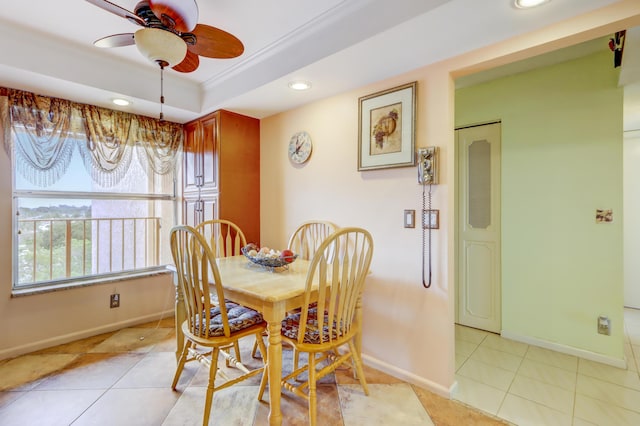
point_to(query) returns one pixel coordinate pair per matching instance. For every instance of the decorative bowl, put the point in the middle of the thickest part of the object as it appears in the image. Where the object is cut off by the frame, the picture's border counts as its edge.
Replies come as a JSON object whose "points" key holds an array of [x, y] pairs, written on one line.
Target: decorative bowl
{"points": [[269, 262]]}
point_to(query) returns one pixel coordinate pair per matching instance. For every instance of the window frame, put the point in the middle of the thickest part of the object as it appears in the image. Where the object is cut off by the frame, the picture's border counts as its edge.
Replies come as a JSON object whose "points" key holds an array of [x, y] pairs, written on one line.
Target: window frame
{"points": [[91, 279]]}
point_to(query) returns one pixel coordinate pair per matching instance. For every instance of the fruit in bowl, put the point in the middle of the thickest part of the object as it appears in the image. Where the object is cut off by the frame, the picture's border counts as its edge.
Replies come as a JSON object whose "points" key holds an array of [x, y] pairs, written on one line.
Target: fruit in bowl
{"points": [[287, 255], [269, 257]]}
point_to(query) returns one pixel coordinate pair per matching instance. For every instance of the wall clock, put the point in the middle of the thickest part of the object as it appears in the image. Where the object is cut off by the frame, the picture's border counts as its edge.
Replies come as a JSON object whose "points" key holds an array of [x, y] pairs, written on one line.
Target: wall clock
{"points": [[300, 147]]}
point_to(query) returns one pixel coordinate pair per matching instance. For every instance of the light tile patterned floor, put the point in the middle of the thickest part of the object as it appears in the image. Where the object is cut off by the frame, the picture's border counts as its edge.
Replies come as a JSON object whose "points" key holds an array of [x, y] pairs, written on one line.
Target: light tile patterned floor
{"points": [[123, 378], [528, 385]]}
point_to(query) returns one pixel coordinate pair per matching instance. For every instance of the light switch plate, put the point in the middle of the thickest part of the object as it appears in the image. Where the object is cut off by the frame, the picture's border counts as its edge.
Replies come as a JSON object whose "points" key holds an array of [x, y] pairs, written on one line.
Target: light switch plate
{"points": [[409, 218]]}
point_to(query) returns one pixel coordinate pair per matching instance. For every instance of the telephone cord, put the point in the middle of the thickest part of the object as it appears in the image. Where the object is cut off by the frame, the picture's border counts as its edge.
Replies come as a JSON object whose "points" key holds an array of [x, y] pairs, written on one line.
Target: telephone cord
{"points": [[426, 210]]}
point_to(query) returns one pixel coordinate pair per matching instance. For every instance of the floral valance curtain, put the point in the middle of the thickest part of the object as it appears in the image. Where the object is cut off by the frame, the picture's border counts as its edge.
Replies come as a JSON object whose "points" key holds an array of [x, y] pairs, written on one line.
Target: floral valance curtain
{"points": [[47, 130]]}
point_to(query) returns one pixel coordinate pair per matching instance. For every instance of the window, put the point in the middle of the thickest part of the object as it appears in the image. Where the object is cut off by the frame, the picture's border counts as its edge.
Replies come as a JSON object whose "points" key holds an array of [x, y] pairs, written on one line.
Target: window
{"points": [[93, 190]]}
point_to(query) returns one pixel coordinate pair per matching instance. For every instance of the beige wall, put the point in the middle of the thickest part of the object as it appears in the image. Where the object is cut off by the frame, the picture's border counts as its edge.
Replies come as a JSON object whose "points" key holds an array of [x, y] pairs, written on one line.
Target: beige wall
{"points": [[399, 313], [408, 331]]}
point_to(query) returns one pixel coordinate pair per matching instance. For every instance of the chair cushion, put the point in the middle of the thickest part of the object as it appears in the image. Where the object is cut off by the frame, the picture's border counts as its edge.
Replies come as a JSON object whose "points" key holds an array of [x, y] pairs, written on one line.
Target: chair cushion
{"points": [[240, 317], [291, 327]]}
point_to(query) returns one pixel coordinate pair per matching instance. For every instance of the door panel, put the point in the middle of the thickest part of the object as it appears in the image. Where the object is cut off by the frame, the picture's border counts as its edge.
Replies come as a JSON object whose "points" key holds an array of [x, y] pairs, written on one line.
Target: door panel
{"points": [[479, 286], [209, 153], [480, 280]]}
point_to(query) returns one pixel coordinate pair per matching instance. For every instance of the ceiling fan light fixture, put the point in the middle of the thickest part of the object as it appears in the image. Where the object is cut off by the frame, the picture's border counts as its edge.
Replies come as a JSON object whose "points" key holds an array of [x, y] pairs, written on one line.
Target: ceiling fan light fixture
{"points": [[160, 46], [527, 4]]}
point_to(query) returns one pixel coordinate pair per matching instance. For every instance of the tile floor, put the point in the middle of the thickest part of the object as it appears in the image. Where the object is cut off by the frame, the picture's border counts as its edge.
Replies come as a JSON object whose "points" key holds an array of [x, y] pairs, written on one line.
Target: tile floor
{"points": [[528, 385], [123, 378]]}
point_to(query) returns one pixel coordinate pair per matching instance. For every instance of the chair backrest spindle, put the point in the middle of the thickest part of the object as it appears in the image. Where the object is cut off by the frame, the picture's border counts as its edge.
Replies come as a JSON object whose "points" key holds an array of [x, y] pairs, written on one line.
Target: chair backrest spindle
{"points": [[306, 239], [224, 237]]}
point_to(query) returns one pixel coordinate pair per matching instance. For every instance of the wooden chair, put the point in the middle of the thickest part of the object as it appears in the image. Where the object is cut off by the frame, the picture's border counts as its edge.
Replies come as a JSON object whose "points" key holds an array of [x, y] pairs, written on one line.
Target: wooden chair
{"points": [[225, 239], [336, 277], [304, 242], [212, 328], [306, 239]]}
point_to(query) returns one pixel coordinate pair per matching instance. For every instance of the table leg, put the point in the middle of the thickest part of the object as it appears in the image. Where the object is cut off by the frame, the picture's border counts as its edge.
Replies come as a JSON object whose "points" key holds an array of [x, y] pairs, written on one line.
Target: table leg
{"points": [[274, 367]]}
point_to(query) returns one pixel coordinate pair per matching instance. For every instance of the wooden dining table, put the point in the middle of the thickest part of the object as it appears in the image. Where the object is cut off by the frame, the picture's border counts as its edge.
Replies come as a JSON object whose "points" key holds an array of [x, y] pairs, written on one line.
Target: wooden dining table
{"points": [[271, 292]]}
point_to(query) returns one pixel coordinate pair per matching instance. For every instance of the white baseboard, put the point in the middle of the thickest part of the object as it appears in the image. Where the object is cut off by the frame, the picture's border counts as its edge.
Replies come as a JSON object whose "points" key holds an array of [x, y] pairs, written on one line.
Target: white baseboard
{"points": [[81, 334], [591, 356], [408, 377]]}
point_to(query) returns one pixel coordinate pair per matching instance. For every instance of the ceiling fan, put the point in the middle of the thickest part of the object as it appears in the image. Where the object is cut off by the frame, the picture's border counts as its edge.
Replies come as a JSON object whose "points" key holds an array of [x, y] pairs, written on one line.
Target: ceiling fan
{"points": [[171, 34]]}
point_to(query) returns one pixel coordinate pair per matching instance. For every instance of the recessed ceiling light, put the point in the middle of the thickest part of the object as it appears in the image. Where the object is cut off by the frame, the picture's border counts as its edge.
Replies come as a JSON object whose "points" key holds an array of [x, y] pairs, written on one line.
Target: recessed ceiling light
{"points": [[300, 85], [120, 101], [526, 4]]}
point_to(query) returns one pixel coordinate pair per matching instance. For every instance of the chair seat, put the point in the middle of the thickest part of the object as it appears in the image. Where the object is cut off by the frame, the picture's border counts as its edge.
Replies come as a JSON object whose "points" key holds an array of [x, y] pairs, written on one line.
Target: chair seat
{"points": [[291, 327], [240, 317]]}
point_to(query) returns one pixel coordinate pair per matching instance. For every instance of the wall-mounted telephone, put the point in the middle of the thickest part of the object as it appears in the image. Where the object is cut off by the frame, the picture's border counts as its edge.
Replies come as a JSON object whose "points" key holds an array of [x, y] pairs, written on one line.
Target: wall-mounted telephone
{"points": [[428, 165], [427, 176]]}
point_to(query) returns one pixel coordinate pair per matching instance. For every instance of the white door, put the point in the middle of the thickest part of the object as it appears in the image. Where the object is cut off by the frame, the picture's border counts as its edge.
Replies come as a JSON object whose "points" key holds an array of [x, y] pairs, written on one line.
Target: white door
{"points": [[479, 285]]}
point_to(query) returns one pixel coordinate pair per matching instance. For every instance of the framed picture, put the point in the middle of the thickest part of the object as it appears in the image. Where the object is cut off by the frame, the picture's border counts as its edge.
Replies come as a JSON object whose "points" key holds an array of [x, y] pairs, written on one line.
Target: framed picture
{"points": [[387, 128]]}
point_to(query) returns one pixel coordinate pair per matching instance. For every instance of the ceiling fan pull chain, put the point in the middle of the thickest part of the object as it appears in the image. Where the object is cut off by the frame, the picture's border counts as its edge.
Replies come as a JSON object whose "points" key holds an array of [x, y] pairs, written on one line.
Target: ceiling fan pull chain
{"points": [[161, 88]]}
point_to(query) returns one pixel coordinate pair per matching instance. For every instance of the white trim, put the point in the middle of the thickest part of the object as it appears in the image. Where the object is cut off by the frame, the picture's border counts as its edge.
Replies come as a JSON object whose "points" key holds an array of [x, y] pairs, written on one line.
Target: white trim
{"points": [[558, 347], [82, 334], [409, 377]]}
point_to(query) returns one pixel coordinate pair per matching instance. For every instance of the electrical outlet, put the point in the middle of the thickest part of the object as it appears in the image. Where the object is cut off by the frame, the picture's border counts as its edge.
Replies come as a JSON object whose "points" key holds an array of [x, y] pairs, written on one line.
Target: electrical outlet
{"points": [[115, 300], [604, 325]]}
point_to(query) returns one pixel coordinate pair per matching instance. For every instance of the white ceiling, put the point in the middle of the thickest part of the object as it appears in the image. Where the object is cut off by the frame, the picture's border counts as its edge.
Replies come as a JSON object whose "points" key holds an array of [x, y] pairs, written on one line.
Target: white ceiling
{"points": [[339, 45]]}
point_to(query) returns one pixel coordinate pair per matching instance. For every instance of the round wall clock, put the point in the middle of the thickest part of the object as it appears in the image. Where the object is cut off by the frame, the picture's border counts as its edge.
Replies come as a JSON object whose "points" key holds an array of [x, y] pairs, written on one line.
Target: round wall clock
{"points": [[300, 147]]}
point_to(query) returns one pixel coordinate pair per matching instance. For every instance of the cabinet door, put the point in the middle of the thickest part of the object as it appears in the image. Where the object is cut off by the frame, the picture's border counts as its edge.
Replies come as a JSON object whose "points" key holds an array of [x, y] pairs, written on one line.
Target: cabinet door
{"points": [[209, 206], [210, 152], [198, 210], [191, 210], [192, 157]]}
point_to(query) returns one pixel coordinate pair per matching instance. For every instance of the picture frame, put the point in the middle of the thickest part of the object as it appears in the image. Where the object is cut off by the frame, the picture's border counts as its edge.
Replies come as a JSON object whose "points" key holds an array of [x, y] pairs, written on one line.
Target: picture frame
{"points": [[386, 134]]}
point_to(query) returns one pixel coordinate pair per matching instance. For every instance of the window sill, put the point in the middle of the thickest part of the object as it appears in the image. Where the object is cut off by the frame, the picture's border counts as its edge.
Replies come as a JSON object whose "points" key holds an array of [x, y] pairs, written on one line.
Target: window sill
{"points": [[69, 285]]}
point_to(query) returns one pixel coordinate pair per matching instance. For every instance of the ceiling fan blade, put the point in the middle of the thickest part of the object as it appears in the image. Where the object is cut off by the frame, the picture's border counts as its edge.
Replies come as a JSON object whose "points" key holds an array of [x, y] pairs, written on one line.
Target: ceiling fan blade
{"points": [[189, 63], [179, 14], [215, 43], [116, 40], [117, 10]]}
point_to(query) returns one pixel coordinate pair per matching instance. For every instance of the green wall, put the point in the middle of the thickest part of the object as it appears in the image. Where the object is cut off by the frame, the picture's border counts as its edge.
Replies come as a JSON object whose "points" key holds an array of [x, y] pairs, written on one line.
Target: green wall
{"points": [[561, 160]]}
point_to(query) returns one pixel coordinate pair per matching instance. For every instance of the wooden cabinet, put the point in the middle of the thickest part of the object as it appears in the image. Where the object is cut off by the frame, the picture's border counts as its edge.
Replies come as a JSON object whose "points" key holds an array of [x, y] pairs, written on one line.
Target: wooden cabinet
{"points": [[200, 167], [222, 171]]}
